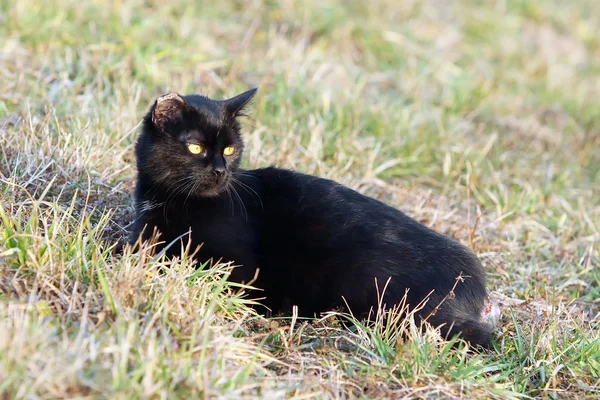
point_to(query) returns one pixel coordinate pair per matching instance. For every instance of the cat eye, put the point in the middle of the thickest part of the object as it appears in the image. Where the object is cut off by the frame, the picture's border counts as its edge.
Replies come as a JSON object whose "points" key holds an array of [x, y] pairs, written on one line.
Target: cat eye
{"points": [[229, 150], [195, 148]]}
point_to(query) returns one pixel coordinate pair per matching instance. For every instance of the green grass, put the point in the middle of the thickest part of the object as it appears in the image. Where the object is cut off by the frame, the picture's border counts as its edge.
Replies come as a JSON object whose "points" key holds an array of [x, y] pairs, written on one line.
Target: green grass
{"points": [[478, 118]]}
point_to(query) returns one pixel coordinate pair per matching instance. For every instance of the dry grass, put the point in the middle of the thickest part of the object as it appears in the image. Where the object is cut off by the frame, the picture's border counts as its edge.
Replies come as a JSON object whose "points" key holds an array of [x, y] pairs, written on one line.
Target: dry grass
{"points": [[479, 119]]}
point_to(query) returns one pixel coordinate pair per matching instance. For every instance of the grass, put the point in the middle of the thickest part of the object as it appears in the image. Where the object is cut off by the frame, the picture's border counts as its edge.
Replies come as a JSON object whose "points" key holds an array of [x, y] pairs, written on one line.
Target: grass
{"points": [[479, 119]]}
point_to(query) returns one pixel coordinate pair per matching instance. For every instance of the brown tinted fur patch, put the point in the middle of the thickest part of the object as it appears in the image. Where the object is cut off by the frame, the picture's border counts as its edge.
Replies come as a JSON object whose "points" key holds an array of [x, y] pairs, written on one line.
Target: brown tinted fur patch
{"points": [[168, 108]]}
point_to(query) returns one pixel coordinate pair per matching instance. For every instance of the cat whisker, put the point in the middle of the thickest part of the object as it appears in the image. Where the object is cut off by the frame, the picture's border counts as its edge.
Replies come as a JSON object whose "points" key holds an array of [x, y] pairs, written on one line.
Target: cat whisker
{"points": [[185, 178], [194, 187], [176, 186], [241, 202], [158, 183], [175, 190], [240, 173], [230, 200], [189, 188], [250, 191]]}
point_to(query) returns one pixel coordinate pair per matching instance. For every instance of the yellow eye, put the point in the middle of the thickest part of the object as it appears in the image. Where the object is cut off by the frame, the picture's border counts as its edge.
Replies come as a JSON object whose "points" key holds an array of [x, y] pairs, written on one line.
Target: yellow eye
{"points": [[229, 150], [195, 148]]}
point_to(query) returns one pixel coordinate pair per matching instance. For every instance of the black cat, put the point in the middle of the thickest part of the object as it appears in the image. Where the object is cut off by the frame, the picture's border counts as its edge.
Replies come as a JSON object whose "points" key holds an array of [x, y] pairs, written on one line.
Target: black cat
{"points": [[318, 245]]}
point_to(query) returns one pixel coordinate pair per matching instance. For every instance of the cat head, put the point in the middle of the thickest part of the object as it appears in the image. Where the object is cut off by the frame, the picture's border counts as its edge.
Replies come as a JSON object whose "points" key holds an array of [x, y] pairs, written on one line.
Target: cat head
{"points": [[192, 144]]}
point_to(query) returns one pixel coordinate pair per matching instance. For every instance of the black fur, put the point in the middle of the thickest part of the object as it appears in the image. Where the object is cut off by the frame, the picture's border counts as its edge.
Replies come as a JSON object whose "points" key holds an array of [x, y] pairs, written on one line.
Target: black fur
{"points": [[315, 241]]}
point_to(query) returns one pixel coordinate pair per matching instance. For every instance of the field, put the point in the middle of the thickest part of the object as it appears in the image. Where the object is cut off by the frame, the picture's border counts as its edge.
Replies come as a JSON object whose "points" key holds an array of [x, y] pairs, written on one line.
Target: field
{"points": [[478, 118]]}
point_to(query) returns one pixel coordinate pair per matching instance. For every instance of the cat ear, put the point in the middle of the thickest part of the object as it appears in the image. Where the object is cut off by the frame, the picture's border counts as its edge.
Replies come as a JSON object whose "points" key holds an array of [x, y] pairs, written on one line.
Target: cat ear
{"points": [[168, 109], [236, 104]]}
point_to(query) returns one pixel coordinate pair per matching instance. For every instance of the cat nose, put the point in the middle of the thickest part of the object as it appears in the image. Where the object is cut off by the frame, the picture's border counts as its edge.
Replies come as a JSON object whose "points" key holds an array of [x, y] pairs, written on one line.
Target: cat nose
{"points": [[218, 171], [218, 166]]}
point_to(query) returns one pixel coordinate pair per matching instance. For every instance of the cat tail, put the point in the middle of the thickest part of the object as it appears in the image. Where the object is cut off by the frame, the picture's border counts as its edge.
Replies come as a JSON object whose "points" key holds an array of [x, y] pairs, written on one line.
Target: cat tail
{"points": [[477, 333], [475, 329]]}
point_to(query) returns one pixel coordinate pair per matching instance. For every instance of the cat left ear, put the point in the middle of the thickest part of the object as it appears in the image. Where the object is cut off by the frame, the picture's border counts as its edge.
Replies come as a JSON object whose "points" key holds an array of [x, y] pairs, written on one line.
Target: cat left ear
{"points": [[236, 104], [168, 109]]}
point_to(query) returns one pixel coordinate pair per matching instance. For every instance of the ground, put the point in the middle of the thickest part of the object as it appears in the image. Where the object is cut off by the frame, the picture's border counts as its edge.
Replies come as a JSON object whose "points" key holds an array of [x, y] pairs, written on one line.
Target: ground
{"points": [[478, 118]]}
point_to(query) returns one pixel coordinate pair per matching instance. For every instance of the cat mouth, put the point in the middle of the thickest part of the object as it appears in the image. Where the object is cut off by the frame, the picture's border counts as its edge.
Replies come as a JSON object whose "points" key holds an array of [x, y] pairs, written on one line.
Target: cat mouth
{"points": [[221, 180], [215, 187]]}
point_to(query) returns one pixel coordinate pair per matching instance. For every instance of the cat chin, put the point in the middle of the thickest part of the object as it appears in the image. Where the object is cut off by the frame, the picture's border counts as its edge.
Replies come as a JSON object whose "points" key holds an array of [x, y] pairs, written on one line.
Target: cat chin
{"points": [[213, 191]]}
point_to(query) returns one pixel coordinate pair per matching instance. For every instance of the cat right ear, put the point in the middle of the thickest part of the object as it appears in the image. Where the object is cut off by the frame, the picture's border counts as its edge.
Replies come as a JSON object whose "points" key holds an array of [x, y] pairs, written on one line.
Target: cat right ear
{"points": [[168, 110], [236, 104]]}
